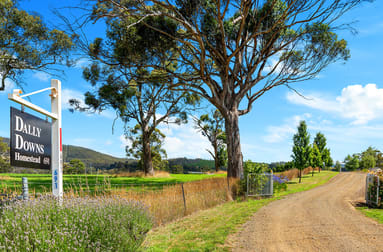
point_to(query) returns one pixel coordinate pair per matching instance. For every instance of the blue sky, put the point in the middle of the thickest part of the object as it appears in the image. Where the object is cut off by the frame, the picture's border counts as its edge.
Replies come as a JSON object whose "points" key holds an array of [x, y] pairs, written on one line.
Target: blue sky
{"points": [[345, 103]]}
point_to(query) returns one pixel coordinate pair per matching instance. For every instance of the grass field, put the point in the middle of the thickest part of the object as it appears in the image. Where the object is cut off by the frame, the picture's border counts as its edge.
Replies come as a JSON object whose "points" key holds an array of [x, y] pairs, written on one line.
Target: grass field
{"points": [[376, 214], [207, 230], [43, 182]]}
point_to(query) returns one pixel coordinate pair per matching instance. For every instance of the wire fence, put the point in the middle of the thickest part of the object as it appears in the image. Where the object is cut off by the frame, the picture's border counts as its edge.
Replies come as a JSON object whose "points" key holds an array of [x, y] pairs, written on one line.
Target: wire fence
{"points": [[173, 201], [259, 184], [373, 190]]}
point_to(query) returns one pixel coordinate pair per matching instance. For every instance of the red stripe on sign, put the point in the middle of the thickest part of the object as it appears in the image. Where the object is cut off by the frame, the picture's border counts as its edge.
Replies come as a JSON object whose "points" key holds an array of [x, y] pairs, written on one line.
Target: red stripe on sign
{"points": [[61, 140]]}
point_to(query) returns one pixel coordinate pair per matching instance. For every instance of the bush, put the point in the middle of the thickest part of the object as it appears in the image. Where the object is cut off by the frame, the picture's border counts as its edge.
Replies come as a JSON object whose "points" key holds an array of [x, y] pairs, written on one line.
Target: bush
{"points": [[279, 183], [85, 224]]}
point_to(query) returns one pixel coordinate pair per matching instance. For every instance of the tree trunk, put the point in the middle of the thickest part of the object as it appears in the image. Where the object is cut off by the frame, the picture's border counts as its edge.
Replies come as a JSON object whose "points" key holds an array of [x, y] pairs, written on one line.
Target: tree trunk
{"points": [[216, 164], [300, 175], [313, 172], [216, 158], [147, 154], [234, 154]]}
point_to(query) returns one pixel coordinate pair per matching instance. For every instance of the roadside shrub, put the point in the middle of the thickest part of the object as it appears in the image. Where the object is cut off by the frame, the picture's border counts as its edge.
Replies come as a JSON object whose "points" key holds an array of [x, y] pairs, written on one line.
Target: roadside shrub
{"points": [[279, 183], [84, 224]]}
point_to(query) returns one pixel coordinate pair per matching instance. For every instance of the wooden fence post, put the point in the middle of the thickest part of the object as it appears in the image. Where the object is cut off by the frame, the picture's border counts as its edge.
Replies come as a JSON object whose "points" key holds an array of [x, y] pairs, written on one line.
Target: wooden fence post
{"points": [[183, 196]]}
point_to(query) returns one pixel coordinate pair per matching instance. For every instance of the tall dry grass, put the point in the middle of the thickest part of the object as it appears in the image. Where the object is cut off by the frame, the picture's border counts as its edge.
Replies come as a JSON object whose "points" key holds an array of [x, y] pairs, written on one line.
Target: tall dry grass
{"points": [[168, 204], [294, 173]]}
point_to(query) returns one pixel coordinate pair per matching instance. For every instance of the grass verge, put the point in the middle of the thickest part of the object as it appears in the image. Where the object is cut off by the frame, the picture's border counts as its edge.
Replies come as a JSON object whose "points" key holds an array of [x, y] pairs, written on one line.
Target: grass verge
{"points": [[207, 230], [376, 214]]}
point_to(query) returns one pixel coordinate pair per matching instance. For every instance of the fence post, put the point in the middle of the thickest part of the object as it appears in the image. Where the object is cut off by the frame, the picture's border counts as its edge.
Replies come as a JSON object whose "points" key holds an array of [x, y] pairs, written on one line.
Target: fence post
{"points": [[377, 191], [183, 196], [25, 188], [366, 190]]}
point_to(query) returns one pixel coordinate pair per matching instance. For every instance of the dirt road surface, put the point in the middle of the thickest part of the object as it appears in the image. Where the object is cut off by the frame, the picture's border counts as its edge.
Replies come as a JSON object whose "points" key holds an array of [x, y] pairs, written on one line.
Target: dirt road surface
{"points": [[321, 219]]}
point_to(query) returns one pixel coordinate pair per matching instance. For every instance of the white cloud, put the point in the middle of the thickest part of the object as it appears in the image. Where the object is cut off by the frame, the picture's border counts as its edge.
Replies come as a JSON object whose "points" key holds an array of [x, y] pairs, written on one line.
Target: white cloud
{"points": [[42, 76], [359, 103], [277, 134], [185, 141]]}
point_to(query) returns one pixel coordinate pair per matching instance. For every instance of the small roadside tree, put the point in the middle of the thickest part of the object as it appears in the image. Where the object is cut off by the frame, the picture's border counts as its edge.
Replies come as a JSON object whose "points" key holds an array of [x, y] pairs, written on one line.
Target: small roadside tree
{"points": [[301, 148], [367, 161], [351, 163], [320, 142], [28, 44], [326, 158], [370, 158], [75, 166], [316, 158], [212, 127]]}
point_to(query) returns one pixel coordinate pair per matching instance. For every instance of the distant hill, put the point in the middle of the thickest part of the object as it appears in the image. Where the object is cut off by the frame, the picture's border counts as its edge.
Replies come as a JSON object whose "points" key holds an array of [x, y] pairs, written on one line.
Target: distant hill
{"points": [[100, 160], [89, 157]]}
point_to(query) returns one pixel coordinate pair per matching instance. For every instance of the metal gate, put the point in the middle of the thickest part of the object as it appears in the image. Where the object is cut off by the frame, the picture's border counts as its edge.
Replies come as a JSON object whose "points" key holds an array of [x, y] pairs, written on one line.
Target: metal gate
{"points": [[259, 184], [372, 190]]}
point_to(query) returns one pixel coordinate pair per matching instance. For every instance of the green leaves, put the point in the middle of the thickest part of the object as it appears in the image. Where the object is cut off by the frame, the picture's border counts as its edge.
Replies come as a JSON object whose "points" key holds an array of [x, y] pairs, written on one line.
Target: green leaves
{"points": [[301, 148], [28, 44], [324, 42]]}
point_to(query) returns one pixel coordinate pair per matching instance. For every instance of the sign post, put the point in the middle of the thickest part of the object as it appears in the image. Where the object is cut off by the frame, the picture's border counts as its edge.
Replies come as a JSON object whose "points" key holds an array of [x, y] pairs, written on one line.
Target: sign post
{"points": [[57, 157], [56, 162]]}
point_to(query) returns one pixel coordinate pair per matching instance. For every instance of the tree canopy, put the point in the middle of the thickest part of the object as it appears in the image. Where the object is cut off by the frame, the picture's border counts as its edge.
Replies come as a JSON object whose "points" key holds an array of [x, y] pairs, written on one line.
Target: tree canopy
{"points": [[316, 158], [351, 163], [28, 44], [232, 52]]}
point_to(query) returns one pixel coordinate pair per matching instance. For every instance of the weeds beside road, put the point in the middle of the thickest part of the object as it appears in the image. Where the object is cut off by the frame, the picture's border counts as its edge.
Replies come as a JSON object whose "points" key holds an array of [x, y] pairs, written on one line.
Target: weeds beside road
{"points": [[376, 214], [207, 230]]}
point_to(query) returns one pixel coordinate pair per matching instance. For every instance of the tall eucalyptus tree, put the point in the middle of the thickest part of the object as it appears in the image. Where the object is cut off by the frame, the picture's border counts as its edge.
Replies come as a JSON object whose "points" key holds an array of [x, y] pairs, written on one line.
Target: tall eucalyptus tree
{"points": [[231, 52]]}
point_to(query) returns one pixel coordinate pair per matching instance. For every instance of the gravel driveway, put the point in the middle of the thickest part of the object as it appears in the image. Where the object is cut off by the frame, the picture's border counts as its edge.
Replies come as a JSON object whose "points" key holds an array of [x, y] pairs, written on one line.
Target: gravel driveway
{"points": [[321, 219]]}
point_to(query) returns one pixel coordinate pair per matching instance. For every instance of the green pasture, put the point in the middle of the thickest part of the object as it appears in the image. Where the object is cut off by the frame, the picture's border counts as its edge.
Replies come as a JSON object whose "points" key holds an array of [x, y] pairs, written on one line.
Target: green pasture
{"points": [[10, 182]]}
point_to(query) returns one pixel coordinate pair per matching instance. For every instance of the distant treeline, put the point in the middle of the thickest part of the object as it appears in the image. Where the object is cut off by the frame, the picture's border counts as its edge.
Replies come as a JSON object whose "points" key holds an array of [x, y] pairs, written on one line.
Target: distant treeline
{"points": [[176, 165], [94, 161]]}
